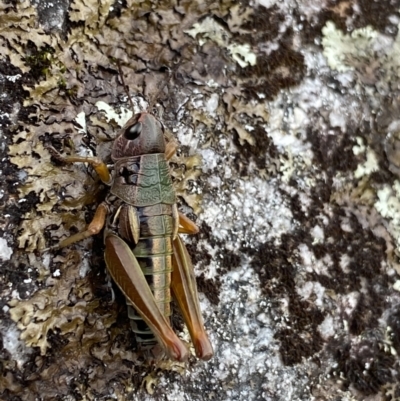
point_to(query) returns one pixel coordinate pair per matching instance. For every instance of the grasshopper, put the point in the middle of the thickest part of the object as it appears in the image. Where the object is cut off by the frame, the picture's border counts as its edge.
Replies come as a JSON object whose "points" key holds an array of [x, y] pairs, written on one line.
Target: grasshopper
{"points": [[144, 253]]}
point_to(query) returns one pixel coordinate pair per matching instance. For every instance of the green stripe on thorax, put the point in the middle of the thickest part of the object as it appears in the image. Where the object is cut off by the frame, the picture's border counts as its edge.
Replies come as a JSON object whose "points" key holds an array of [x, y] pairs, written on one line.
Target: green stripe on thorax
{"points": [[153, 183]]}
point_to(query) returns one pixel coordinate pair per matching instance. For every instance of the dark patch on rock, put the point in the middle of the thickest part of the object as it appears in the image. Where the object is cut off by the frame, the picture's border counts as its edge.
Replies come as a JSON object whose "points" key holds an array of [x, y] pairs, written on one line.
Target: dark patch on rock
{"points": [[39, 61], [365, 253], [364, 365], [294, 347], [203, 256], [382, 176], [17, 210], [272, 265], [12, 90], [57, 342], [117, 7], [259, 153], [263, 26], [17, 273], [210, 288], [281, 69], [366, 314], [378, 15], [275, 266], [227, 261], [333, 152], [393, 322], [295, 206]]}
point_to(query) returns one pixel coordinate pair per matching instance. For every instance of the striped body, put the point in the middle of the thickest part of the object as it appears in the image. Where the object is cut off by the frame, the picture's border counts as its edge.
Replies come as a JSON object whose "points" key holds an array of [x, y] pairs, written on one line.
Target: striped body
{"points": [[153, 252], [145, 219]]}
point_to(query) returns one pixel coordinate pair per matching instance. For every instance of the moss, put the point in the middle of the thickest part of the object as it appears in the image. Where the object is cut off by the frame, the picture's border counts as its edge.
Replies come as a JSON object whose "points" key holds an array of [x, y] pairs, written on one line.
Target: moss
{"points": [[294, 347], [39, 60]]}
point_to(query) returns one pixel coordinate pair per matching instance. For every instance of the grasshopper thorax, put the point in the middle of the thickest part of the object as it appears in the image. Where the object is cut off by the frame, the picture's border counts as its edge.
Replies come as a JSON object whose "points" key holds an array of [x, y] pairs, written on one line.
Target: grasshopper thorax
{"points": [[142, 134]]}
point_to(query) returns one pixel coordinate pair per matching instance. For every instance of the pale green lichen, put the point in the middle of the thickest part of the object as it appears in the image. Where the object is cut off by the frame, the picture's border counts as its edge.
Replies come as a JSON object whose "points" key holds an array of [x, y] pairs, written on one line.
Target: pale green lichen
{"points": [[242, 54], [210, 29], [388, 205], [369, 166], [120, 118], [364, 50], [360, 147], [341, 51]]}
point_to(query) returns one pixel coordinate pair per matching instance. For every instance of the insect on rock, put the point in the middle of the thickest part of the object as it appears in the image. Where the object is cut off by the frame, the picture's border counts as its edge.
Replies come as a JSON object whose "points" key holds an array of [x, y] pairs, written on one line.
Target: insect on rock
{"points": [[143, 250]]}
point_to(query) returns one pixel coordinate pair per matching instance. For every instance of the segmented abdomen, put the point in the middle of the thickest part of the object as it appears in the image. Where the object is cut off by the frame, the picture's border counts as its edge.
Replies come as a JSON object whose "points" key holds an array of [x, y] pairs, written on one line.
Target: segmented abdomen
{"points": [[153, 252]]}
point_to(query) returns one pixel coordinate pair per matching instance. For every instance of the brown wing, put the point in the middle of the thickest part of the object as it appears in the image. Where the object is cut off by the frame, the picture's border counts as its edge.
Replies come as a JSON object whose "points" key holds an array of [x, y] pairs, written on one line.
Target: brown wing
{"points": [[126, 272], [184, 289]]}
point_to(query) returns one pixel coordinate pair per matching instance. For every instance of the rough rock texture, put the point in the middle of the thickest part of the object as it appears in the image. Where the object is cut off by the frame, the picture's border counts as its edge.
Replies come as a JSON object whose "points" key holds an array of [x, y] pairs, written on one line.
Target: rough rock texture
{"points": [[294, 110]]}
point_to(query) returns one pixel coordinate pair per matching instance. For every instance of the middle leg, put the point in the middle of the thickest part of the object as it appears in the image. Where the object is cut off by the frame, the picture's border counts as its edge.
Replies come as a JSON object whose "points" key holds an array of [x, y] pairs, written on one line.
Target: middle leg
{"points": [[95, 226]]}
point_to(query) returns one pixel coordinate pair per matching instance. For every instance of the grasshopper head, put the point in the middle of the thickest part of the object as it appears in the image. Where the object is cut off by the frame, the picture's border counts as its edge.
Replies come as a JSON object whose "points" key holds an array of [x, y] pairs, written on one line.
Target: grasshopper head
{"points": [[141, 135]]}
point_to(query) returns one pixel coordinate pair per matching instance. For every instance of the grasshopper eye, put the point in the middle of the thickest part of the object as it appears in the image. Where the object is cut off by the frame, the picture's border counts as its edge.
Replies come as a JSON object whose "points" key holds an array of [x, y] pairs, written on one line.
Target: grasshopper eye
{"points": [[133, 131]]}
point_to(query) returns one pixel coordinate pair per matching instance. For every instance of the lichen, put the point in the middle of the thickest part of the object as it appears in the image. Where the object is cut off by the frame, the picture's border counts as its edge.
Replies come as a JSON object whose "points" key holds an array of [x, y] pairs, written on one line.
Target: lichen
{"points": [[51, 308], [344, 52], [296, 257], [77, 108], [209, 29]]}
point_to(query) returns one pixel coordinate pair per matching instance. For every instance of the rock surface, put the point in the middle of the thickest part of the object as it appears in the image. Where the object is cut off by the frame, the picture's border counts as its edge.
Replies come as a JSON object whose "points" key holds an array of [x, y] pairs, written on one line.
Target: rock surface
{"points": [[293, 108]]}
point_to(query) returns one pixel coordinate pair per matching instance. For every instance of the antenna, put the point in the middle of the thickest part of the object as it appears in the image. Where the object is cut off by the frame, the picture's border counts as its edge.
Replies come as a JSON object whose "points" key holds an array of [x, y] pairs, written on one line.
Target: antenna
{"points": [[124, 85], [162, 87], [171, 70], [157, 94]]}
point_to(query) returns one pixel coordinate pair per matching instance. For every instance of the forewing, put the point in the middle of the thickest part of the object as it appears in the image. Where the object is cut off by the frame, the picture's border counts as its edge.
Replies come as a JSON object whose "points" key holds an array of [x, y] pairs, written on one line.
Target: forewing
{"points": [[127, 274], [184, 289]]}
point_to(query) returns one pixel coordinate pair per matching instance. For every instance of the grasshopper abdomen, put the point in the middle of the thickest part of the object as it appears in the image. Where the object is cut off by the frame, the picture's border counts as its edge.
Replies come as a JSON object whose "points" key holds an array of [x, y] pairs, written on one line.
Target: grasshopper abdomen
{"points": [[153, 251]]}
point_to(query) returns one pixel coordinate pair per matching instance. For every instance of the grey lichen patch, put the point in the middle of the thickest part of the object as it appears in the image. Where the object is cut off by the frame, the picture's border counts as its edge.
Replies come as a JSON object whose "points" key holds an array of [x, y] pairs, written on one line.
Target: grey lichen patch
{"points": [[210, 29], [344, 52], [20, 26], [360, 55], [185, 175], [48, 183], [254, 111], [51, 309]]}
